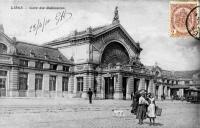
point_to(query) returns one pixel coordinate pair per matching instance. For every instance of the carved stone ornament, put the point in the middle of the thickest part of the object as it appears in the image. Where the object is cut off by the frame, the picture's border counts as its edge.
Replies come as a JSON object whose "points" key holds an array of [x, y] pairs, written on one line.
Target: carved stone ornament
{"points": [[116, 16]]}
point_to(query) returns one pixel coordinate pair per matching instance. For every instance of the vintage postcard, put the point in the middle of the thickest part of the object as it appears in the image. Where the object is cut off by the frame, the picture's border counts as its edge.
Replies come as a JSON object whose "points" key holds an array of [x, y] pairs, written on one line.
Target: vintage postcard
{"points": [[99, 63]]}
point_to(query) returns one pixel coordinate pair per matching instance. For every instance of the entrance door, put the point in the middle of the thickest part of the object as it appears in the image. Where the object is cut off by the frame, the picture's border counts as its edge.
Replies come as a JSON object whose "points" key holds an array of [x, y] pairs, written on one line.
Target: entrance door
{"points": [[124, 84], [2, 87], [109, 87]]}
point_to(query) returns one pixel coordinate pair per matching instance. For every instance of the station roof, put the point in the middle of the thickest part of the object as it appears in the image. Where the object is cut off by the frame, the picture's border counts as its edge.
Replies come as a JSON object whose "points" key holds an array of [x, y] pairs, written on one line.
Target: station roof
{"points": [[92, 32], [40, 52]]}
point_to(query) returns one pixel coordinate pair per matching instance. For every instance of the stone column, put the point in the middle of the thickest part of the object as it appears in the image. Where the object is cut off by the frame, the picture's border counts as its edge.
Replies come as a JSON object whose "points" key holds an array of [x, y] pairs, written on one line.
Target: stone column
{"points": [[154, 88], [141, 84], [151, 87], [75, 85], [99, 86], [45, 84], [91, 81], [71, 86], [118, 87], [85, 86], [14, 82], [59, 86], [31, 84], [103, 87], [165, 91], [160, 91], [129, 89], [169, 93]]}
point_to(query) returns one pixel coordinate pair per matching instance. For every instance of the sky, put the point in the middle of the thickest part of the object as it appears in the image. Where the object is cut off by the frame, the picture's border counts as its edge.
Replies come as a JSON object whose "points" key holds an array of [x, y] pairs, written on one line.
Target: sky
{"points": [[147, 21]]}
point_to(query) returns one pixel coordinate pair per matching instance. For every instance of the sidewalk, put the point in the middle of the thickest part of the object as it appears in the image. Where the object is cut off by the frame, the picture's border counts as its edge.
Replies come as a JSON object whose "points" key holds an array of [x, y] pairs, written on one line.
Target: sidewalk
{"points": [[78, 113]]}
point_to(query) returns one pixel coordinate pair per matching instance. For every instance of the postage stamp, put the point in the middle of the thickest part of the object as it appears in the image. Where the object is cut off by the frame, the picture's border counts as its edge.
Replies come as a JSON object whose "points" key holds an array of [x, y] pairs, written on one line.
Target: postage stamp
{"points": [[179, 11], [194, 31]]}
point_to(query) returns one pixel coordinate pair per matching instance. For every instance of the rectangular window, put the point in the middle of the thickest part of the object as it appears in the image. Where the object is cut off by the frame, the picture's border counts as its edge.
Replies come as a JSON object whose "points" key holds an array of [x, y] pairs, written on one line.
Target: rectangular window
{"points": [[23, 78], [3, 73], [187, 82], [53, 66], [38, 81], [2, 83], [65, 84], [23, 63], [79, 83], [66, 68], [52, 83], [39, 65]]}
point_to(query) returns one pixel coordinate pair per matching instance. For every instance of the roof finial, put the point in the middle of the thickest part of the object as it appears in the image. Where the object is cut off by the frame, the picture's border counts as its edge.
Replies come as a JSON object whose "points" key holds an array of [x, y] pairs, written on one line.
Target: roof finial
{"points": [[116, 16]]}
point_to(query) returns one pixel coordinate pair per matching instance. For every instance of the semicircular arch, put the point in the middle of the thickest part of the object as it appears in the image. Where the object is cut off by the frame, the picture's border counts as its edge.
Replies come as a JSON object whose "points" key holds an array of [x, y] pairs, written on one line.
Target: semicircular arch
{"points": [[114, 52]]}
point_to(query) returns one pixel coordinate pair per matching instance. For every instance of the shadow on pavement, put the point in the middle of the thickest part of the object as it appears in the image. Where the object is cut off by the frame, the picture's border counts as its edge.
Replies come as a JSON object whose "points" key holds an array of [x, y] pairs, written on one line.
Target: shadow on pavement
{"points": [[155, 124]]}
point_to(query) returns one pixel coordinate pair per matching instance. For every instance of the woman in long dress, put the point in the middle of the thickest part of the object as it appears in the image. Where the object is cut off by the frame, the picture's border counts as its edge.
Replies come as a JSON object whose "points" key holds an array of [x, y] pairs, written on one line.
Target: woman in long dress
{"points": [[141, 111], [151, 110]]}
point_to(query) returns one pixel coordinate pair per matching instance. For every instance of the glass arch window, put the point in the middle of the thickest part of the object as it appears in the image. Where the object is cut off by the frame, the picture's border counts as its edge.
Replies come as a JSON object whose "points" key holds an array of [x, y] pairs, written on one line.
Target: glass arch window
{"points": [[114, 53], [3, 48]]}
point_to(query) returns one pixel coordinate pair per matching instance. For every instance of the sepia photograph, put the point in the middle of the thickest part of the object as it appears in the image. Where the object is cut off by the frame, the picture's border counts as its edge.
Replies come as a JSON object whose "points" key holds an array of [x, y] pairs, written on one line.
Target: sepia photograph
{"points": [[99, 63]]}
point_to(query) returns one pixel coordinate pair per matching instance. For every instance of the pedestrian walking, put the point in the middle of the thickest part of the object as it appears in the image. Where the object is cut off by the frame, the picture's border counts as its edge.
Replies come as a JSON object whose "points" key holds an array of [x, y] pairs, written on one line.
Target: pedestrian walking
{"points": [[151, 110], [141, 111], [90, 95]]}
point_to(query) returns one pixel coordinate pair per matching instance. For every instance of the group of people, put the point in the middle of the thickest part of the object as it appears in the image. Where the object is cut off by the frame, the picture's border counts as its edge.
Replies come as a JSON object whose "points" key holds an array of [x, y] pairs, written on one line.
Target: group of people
{"points": [[143, 107]]}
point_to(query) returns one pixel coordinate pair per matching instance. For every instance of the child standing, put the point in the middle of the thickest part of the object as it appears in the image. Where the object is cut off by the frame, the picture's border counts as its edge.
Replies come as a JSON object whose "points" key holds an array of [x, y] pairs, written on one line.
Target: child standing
{"points": [[151, 110]]}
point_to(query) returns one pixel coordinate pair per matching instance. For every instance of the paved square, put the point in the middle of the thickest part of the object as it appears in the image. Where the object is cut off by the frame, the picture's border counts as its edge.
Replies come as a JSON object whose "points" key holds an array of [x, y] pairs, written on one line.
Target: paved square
{"points": [[78, 113]]}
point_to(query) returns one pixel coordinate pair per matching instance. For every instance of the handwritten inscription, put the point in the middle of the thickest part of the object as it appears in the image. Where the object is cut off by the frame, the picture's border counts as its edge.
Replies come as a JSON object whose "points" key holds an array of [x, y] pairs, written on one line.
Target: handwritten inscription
{"points": [[52, 23], [60, 16], [39, 25]]}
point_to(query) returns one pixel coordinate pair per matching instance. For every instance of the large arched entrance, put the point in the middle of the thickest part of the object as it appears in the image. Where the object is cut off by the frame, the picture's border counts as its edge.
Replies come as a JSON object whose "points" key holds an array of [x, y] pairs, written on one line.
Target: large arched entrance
{"points": [[113, 54]]}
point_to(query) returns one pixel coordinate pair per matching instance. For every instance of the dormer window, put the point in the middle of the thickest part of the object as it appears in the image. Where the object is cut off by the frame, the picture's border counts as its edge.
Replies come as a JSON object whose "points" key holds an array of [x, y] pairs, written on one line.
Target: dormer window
{"points": [[66, 68], [3, 48], [32, 54], [39, 65], [23, 63], [53, 66], [59, 58]]}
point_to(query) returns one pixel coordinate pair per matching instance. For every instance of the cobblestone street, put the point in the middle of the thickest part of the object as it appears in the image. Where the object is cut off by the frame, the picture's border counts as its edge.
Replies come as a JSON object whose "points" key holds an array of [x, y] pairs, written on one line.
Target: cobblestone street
{"points": [[78, 113]]}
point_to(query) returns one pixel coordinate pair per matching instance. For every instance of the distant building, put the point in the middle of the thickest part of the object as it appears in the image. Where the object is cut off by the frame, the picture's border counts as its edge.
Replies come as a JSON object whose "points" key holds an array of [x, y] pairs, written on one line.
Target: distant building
{"points": [[105, 59]]}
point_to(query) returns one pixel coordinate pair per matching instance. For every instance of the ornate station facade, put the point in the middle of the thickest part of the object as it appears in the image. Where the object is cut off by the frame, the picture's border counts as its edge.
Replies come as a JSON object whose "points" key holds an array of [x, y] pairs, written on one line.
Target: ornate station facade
{"points": [[105, 59]]}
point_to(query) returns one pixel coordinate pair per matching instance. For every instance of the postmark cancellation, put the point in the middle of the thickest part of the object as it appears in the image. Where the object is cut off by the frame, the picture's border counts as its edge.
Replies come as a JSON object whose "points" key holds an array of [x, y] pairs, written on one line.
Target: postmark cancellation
{"points": [[179, 11]]}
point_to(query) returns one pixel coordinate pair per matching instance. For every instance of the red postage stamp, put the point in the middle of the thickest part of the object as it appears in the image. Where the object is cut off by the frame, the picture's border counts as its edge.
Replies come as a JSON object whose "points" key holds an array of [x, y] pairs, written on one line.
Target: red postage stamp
{"points": [[178, 15]]}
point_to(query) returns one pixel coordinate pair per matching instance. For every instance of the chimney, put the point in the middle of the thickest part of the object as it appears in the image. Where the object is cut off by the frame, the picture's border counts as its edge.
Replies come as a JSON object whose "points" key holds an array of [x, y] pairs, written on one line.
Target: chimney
{"points": [[1, 28]]}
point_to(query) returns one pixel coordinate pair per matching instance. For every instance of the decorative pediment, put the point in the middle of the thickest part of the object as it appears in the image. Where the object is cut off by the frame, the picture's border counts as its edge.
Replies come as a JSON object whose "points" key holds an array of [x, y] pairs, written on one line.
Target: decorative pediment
{"points": [[6, 44], [115, 32], [5, 39]]}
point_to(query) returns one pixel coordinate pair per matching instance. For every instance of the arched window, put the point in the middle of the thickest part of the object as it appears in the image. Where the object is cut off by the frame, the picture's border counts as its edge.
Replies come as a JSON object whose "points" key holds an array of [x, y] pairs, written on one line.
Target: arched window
{"points": [[3, 48], [114, 53]]}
